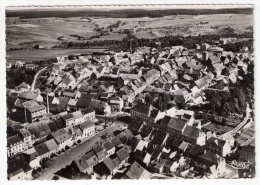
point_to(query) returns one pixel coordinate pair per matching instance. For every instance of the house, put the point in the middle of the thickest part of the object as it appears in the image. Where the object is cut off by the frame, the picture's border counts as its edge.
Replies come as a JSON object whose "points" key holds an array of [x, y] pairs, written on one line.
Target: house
{"points": [[123, 155], [116, 104], [100, 151], [116, 142], [159, 137], [176, 126], [86, 162], [73, 119], [110, 148], [34, 111], [219, 146], [32, 160], [142, 156], [137, 172], [170, 166], [83, 102], [15, 144], [145, 112], [194, 136], [19, 169], [52, 146], [87, 128], [211, 163], [100, 107], [27, 96], [42, 151], [71, 93], [88, 114], [27, 137], [62, 138], [108, 166]]}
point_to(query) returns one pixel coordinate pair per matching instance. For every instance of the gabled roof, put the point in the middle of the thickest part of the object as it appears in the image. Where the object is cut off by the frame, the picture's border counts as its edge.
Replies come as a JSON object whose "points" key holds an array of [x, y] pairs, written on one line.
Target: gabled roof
{"points": [[13, 140], [116, 142], [177, 124], [129, 134], [122, 154], [146, 130], [87, 111], [86, 161], [60, 136], [41, 149], [136, 171], [108, 145], [87, 124], [216, 141], [84, 102], [122, 137], [51, 144], [191, 132]]}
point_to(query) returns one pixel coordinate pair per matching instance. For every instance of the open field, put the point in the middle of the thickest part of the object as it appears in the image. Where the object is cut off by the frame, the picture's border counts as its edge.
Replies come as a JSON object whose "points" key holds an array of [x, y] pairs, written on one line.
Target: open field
{"points": [[51, 31], [34, 54]]}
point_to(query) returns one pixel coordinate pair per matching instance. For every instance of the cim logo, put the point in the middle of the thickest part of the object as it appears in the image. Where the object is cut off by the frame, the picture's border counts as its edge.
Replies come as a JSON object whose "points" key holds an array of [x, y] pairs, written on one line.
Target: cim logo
{"points": [[239, 165]]}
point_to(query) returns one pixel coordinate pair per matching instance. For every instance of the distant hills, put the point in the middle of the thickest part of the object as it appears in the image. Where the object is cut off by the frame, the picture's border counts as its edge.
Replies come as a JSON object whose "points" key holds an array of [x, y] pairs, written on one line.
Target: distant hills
{"points": [[126, 13]]}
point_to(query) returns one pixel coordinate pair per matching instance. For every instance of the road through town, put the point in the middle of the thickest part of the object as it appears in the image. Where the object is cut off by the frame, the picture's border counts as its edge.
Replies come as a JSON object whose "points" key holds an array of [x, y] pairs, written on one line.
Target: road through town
{"points": [[66, 158]]}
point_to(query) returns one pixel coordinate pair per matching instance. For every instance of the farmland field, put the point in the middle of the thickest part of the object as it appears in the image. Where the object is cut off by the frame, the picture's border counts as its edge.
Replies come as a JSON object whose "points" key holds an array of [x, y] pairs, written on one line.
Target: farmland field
{"points": [[30, 54], [51, 31]]}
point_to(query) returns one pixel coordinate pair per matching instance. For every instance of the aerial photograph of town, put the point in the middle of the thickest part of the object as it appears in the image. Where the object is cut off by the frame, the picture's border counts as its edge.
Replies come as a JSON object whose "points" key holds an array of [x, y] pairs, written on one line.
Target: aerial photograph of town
{"points": [[104, 93]]}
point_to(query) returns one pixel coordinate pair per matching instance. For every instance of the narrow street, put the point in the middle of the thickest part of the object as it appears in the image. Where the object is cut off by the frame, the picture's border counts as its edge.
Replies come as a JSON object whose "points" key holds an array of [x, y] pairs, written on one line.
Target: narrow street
{"points": [[66, 158], [35, 78]]}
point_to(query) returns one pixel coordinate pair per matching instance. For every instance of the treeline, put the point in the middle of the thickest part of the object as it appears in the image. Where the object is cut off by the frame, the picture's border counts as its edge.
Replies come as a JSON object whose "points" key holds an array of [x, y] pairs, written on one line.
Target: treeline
{"points": [[129, 13], [237, 46], [168, 41]]}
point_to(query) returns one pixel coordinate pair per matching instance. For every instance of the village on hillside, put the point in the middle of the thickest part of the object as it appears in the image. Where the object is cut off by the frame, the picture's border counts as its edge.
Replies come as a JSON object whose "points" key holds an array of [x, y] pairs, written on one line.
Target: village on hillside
{"points": [[150, 113]]}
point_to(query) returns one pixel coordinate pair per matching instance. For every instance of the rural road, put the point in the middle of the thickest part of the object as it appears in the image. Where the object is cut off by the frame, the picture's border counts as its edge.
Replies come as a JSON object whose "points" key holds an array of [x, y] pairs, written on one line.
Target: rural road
{"points": [[35, 77], [66, 158]]}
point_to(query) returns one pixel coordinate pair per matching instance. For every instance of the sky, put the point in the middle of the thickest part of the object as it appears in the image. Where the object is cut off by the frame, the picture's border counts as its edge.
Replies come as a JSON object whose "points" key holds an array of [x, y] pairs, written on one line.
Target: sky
{"points": [[150, 7]]}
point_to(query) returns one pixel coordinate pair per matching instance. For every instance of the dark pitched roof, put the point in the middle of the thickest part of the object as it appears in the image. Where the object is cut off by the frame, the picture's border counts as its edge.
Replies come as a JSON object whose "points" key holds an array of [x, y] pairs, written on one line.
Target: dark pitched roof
{"points": [[13, 139], [84, 102], [122, 137], [86, 124], [157, 151], [191, 132], [41, 149], [100, 151], [129, 134], [87, 111], [108, 145], [136, 171], [177, 124], [86, 161], [142, 108], [122, 154], [116, 142], [159, 136], [146, 130], [216, 141]]}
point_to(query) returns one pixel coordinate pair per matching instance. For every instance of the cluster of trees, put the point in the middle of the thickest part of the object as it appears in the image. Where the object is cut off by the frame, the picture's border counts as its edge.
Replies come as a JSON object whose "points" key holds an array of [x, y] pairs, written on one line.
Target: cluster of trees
{"points": [[237, 46], [116, 25], [167, 41], [130, 13], [15, 77], [160, 101]]}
